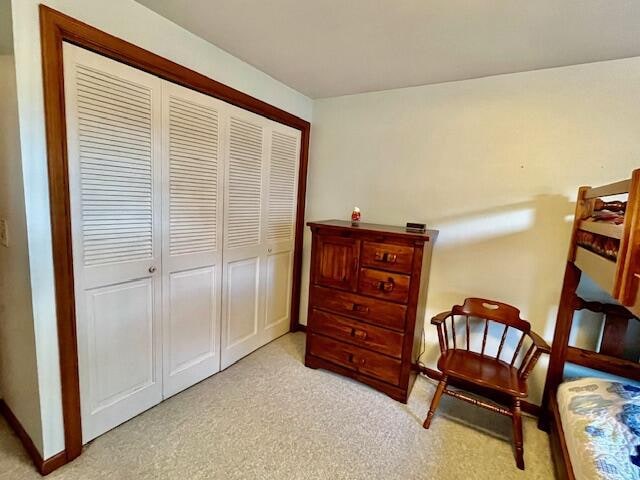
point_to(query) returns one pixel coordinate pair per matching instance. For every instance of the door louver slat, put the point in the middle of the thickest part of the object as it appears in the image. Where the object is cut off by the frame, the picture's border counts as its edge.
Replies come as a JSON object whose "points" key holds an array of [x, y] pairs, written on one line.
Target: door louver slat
{"points": [[282, 188], [244, 184], [116, 203], [193, 172]]}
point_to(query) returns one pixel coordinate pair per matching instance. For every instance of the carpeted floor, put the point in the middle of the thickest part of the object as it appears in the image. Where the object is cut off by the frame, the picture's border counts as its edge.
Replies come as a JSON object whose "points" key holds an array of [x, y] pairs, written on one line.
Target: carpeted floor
{"points": [[269, 417]]}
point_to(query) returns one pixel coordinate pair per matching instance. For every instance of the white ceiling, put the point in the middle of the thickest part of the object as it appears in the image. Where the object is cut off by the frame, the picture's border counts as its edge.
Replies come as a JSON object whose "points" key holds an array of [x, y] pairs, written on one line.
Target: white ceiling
{"points": [[326, 48]]}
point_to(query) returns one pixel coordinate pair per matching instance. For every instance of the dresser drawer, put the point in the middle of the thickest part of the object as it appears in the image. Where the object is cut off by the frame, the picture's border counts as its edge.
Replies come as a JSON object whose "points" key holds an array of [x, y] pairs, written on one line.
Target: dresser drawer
{"points": [[396, 258], [355, 358], [385, 314], [358, 333], [386, 285]]}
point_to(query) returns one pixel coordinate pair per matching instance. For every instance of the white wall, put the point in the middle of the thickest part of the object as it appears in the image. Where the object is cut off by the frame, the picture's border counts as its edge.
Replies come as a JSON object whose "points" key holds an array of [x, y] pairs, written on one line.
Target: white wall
{"points": [[493, 163], [18, 372], [135, 23]]}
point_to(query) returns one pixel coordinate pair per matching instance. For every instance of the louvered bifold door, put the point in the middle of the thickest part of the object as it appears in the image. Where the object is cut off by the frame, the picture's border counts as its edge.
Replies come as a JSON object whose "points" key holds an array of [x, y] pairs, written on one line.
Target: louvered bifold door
{"points": [[113, 116], [243, 303], [192, 238], [279, 227]]}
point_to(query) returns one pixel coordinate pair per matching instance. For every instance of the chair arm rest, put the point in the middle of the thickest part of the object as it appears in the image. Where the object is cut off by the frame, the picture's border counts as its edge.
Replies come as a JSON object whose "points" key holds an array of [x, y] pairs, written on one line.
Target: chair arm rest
{"points": [[539, 342], [440, 318]]}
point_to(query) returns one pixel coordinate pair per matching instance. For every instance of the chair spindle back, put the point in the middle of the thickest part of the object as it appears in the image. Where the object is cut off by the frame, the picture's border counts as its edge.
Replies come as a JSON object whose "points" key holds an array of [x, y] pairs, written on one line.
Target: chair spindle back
{"points": [[489, 311]]}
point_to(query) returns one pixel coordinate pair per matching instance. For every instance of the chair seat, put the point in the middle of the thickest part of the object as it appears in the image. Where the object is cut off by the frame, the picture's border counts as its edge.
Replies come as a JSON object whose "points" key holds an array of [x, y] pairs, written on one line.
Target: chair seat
{"points": [[482, 370]]}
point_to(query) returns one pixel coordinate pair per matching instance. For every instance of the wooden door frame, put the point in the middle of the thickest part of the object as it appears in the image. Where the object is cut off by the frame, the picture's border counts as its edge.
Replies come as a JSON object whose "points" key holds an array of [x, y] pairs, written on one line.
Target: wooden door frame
{"points": [[55, 28]]}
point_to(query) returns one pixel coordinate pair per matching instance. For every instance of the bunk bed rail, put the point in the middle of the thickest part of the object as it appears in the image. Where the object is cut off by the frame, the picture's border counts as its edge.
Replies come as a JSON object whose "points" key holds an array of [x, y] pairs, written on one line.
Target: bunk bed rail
{"points": [[616, 188]]}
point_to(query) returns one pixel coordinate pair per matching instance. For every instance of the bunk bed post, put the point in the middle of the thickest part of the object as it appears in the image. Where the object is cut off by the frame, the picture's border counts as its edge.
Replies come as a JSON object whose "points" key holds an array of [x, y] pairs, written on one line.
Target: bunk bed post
{"points": [[560, 343], [627, 286], [613, 334], [582, 208], [564, 319]]}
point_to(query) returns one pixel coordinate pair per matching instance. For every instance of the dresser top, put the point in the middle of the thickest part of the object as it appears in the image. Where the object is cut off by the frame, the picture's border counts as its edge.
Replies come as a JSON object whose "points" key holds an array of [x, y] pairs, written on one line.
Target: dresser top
{"points": [[375, 228]]}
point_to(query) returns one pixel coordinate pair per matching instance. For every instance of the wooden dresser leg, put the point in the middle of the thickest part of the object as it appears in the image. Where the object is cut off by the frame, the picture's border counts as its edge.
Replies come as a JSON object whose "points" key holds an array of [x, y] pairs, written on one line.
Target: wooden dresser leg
{"points": [[435, 402], [517, 433]]}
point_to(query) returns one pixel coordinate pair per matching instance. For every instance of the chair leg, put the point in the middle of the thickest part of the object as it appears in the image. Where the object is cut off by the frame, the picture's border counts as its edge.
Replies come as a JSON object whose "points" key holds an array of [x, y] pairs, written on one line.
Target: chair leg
{"points": [[517, 433], [435, 401]]}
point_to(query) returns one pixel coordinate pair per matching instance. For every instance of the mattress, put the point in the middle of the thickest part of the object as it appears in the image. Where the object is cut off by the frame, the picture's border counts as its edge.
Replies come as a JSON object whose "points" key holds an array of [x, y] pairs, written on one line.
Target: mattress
{"points": [[601, 423]]}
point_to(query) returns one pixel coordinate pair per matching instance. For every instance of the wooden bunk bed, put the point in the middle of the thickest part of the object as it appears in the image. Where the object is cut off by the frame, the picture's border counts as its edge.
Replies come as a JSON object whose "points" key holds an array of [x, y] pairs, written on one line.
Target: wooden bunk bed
{"points": [[605, 246]]}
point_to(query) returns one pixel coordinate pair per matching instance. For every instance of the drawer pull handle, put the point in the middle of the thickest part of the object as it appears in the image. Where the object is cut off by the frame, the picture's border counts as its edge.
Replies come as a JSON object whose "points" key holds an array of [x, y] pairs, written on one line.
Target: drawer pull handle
{"points": [[361, 334], [352, 359], [386, 257], [384, 286], [356, 307]]}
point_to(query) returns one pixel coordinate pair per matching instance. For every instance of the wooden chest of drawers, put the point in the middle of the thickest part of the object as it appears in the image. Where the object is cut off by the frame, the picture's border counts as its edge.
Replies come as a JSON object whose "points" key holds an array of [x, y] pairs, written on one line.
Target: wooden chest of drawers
{"points": [[367, 297]]}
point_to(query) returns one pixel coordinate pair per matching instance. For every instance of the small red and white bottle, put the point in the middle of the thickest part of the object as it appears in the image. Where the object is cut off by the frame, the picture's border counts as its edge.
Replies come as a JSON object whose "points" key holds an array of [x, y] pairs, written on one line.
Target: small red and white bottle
{"points": [[355, 217]]}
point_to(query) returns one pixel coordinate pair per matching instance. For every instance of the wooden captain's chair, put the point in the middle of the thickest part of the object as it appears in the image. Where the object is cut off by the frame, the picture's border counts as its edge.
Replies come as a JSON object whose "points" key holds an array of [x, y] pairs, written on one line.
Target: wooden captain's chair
{"points": [[502, 380]]}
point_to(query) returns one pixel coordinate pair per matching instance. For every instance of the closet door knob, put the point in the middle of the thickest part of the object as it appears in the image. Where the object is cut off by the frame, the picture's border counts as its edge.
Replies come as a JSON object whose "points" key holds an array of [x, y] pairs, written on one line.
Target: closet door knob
{"points": [[152, 269]]}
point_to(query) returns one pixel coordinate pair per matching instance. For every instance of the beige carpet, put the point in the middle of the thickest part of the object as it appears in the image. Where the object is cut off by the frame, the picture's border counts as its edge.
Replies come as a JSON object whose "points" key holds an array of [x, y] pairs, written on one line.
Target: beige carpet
{"points": [[269, 417]]}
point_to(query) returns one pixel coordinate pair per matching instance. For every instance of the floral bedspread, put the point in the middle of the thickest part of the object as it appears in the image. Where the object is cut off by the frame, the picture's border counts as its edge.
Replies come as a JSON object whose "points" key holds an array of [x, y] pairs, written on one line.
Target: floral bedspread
{"points": [[601, 423]]}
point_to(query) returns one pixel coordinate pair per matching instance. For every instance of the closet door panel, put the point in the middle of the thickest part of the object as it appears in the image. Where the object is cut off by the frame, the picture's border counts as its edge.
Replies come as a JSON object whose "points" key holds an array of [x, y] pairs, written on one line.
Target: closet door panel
{"points": [[243, 302], [279, 228], [191, 335], [243, 249], [120, 333], [278, 292], [113, 136], [192, 237]]}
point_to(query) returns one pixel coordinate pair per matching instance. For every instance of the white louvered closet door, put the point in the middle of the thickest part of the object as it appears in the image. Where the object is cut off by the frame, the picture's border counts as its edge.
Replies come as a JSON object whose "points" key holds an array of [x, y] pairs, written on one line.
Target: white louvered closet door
{"points": [[192, 237], [243, 255], [279, 227], [113, 115], [260, 211]]}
